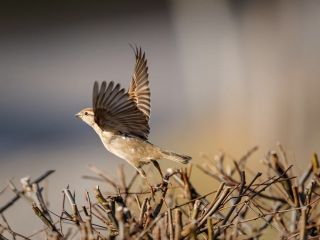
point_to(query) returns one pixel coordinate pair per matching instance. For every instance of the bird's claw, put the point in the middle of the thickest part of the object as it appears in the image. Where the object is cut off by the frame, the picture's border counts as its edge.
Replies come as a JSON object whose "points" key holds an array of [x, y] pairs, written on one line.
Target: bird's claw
{"points": [[163, 185]]}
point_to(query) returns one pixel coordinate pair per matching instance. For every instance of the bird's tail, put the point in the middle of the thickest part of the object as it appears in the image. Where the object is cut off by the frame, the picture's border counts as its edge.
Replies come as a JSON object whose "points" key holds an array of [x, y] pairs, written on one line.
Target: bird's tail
{"points": [[176, 157]]}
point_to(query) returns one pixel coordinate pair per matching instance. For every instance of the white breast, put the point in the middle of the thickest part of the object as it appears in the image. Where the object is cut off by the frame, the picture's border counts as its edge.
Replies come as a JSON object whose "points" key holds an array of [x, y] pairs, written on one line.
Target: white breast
{"points": [[106, 138]]}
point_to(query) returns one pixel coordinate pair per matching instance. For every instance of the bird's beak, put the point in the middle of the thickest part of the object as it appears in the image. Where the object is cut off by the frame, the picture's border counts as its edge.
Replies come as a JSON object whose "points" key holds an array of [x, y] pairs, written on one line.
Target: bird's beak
{"points": [[77, 115]]}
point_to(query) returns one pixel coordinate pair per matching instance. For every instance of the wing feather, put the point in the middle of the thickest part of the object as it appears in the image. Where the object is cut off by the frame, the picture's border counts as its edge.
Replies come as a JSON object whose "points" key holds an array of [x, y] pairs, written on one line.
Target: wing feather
{"points": [[116, 111], [139, 90]]}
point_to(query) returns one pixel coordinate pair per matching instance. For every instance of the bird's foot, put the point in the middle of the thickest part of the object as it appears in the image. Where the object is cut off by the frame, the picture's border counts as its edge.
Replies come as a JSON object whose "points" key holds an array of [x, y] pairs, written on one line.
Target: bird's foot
{"points": [[163, 185]]}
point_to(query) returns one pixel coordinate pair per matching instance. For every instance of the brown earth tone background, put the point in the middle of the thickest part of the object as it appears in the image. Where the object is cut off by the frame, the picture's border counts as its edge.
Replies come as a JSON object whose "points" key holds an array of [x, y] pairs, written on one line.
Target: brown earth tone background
{"points": [[225, 76]]}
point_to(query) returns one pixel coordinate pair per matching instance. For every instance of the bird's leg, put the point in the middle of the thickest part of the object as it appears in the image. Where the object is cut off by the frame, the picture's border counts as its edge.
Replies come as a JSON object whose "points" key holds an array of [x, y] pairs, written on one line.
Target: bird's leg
{"points": [[164, 184], [143, 174], [156, 164]]}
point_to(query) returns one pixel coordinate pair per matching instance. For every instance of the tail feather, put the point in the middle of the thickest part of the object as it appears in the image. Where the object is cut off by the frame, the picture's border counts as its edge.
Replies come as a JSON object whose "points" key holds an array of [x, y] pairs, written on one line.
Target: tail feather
{"points": [[184, 159]]}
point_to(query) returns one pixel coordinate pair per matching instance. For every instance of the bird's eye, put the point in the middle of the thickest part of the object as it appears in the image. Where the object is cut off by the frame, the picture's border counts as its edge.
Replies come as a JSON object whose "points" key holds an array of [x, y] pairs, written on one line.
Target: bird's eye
{"points": [[86, 113]]}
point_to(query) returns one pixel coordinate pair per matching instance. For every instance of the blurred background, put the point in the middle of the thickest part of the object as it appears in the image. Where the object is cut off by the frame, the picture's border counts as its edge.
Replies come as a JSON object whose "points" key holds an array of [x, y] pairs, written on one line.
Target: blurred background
{"points": [[225, 76]]}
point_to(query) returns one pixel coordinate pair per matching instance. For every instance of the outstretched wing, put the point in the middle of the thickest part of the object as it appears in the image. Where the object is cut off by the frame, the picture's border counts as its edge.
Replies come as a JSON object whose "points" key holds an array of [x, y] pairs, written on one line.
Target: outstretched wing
{"points": [[114, 110], [139, 90]]}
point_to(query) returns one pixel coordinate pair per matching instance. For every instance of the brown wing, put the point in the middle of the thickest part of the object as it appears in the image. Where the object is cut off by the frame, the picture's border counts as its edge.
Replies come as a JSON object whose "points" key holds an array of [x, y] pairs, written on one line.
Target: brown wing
{"points": [[114, 110], [139, 90]]}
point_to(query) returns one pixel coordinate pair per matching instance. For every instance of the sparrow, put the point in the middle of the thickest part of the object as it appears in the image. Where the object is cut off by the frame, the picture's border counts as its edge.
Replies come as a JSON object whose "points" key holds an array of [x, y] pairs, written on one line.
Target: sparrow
{"points": [[121, 119]]}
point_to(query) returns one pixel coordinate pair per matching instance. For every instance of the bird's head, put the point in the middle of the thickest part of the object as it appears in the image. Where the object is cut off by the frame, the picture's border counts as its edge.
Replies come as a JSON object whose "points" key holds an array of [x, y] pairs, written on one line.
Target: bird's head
{"points": [[86, 115]]}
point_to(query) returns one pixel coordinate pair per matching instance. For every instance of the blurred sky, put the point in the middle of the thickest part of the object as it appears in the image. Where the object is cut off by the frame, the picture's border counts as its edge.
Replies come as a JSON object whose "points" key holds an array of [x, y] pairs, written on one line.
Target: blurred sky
{"points": [[225, 75]]}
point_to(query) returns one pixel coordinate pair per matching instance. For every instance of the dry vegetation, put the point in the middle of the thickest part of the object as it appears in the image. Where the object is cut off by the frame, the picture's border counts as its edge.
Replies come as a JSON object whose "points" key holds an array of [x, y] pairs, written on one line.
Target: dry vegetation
{"points": [[247, 205]]}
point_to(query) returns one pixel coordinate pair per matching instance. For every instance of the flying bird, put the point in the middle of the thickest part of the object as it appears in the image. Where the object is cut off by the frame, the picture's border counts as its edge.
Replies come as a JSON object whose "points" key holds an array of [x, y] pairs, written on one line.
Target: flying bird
{"points": [[121, 119]]}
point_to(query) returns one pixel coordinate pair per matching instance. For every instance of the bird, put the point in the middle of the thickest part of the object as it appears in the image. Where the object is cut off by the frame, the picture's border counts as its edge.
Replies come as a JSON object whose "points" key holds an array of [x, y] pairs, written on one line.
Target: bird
{"points": [[121, 119]]}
